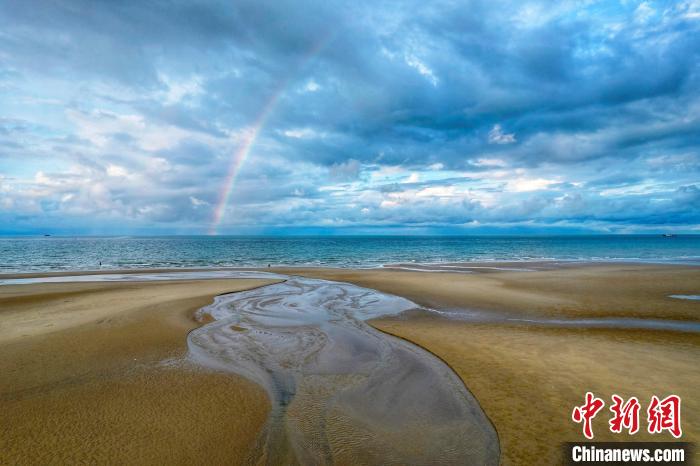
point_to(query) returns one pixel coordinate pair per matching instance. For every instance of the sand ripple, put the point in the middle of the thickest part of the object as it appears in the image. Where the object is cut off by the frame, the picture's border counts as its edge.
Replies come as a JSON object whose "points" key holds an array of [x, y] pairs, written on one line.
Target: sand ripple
{"points": [[342, 392]]}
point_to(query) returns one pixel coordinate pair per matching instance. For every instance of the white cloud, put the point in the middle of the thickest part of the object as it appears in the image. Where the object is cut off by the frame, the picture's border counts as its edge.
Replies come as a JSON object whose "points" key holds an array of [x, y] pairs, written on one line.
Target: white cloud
{"points": [[311, 86], [692, 10], [302, 133], [643, 12], [487, 162], [439, 191], [422, 68], [116, 171], [497, 136], [196, 202], [529, 184]]}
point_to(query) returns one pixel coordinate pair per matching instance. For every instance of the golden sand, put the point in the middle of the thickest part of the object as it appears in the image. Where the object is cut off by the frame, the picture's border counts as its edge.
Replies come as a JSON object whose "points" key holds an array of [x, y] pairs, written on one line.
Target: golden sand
{"points": [[527, 379], [89, 371], [93, 373], [628, 290]]}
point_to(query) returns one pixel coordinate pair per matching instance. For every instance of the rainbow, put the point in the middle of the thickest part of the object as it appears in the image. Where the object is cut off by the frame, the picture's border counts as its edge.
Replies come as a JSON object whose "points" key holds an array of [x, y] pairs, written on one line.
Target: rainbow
{"points": [[251, 135], [239, 157]]}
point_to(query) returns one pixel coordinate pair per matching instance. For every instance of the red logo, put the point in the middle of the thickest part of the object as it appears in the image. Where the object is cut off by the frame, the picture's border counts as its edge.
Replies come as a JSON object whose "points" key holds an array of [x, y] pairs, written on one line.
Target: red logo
{"points": [[665, 415], [661, 415], [624, 415], [586, 412]]}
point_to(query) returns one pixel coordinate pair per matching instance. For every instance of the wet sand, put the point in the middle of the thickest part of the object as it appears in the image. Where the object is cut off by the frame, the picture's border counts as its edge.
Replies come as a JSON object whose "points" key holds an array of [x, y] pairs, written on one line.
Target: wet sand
{"points": [[572, 290], [527, 378], [80, 383], [94, 373], [342, 392]]}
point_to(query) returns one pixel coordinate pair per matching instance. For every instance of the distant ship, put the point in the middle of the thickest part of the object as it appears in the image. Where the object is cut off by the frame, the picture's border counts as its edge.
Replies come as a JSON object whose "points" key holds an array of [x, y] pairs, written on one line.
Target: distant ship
{"points": [[668, 235]]}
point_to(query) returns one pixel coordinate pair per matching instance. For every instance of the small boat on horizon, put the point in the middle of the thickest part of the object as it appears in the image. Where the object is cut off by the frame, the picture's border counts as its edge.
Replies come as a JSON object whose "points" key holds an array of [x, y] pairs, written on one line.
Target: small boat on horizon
{"points": [[668, 235]]}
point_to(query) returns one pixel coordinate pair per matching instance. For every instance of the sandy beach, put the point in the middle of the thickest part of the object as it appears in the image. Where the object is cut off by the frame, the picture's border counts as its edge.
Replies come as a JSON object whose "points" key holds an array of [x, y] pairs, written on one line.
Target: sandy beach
{"points": [[94, 371], [527, 378]]}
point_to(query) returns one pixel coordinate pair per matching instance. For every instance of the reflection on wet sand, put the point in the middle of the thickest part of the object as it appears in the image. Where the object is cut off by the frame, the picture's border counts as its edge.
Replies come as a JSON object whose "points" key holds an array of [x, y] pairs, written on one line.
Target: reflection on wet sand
{"points": [[342, 391], [619, 323]]}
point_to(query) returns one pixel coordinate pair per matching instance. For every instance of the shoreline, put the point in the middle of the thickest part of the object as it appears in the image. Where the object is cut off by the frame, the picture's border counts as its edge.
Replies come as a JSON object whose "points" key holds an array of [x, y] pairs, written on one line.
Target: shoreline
{"points": [[495, 265]]}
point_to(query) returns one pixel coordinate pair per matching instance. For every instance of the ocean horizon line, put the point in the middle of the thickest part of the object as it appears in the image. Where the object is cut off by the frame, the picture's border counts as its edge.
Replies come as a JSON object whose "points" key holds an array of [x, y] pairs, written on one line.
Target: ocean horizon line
{"points": [[350, 235]]}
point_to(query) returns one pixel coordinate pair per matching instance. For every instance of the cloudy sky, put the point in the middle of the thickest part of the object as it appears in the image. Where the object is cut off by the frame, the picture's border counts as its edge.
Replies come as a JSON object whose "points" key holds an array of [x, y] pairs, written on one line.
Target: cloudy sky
{"points": [[320, 116]]}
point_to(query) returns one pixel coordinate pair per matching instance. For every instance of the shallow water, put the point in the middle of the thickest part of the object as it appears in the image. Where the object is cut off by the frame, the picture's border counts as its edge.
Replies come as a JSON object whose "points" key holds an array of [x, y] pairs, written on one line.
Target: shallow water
{"points": [[692, 297], [140, 277], [601, 322], [342, 392], [455, 267]]}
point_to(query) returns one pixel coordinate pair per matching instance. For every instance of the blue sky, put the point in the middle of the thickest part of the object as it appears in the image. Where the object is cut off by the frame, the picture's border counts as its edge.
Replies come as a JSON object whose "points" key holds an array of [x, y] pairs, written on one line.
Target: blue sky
{"points": [[403, 116]]}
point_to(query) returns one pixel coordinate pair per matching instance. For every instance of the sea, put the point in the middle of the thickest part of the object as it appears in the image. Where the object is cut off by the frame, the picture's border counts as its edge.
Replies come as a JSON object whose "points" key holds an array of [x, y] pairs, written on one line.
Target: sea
{"points": [[58, 253]]}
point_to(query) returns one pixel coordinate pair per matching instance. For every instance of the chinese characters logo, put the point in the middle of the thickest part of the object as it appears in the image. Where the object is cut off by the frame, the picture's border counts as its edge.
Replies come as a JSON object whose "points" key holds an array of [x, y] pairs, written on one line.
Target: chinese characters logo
{"points": [[662, 415]]}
